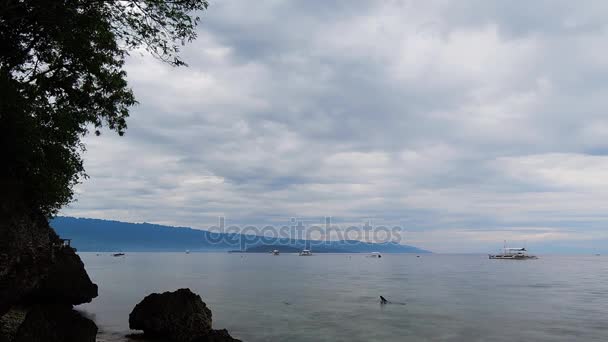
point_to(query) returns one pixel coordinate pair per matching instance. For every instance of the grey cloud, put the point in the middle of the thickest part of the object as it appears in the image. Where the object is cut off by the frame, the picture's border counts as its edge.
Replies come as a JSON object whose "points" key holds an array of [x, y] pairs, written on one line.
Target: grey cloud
{"points": [[448, 118]]}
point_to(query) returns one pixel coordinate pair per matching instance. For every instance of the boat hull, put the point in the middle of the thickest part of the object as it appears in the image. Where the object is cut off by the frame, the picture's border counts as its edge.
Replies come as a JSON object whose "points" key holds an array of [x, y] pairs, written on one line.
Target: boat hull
{"points": [[512, 257]]}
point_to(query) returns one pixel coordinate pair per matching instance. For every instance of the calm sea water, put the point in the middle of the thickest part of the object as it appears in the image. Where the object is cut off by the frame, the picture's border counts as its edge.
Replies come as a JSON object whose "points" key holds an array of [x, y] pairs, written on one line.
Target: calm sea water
{"points": [[260, 297]]}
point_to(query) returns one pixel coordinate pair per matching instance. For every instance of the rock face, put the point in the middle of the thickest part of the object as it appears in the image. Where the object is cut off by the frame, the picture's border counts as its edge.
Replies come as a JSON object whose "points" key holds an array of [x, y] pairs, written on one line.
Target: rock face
{"points": [[35, 267], [179, 316], [55, 323], [40, 280], [66, 281], [10, 322], [25, 254]]}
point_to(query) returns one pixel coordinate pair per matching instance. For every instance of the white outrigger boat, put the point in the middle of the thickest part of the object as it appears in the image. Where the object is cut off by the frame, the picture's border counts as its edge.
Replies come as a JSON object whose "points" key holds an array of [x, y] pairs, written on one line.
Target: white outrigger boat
{"points": [[510, 253], [306, 252], [375, 255], [275, 252]]}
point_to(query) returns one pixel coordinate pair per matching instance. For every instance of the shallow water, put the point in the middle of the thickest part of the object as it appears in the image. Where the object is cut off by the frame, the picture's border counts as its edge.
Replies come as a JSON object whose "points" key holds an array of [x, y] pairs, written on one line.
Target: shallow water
{"points": [[335, 297]]}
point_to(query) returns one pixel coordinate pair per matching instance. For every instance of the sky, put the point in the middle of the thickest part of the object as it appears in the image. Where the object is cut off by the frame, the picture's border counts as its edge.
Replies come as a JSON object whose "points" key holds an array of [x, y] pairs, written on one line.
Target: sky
{"points": [[464, 122]]}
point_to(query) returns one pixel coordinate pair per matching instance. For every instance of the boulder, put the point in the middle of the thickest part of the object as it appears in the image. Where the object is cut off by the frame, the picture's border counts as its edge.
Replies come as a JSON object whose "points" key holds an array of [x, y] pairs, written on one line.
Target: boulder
{"points": [[220, 335], [66, 281], [180, 316], [34, 268], [55, 323]]}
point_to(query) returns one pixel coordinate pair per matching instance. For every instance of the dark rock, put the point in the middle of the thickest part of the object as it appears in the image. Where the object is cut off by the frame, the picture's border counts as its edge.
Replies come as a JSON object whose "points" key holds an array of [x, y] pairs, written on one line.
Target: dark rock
{"points": [[33, 265], [25, 253], [220, 335], [66, 281], [179, 316], [10, 322], [40, 277], [55, 323]]}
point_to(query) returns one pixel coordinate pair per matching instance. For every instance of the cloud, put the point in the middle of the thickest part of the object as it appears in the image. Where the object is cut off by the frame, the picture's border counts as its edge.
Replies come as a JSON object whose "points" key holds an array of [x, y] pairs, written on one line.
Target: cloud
{"points": [[443, 117]]}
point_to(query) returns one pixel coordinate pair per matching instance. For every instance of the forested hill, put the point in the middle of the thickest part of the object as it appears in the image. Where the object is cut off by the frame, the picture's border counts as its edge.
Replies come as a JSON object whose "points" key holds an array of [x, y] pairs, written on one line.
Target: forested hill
{"points": [[103, 235]]}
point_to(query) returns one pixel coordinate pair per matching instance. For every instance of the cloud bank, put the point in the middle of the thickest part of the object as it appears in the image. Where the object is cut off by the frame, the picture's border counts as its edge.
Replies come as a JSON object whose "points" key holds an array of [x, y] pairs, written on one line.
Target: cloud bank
{"points": [[464, 122]]}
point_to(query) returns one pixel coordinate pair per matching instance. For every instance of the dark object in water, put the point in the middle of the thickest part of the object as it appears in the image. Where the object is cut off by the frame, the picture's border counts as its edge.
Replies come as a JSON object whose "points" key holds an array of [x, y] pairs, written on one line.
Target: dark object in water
{"points": [[118, 254], [386, 301]]}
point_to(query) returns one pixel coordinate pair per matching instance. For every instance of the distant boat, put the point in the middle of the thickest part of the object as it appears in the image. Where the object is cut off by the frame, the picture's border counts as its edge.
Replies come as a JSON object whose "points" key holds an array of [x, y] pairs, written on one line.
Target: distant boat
{"points": [[118, 254], [187, 251], [306, 252], [512, 253], [275, 252], [375, 255]]}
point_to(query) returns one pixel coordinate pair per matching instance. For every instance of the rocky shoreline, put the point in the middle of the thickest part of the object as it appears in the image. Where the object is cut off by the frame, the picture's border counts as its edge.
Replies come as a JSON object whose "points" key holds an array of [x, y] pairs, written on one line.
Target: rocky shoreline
{"points": [[42, 279]]}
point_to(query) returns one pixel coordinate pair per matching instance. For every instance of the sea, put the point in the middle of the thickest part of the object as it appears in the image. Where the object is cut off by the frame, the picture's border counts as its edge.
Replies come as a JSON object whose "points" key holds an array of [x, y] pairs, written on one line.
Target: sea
{"points": [[336, 297]]}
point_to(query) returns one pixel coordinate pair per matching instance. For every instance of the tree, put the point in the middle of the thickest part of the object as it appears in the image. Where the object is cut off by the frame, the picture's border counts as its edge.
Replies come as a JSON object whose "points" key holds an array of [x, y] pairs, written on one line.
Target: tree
{"points": [[61, 76]]}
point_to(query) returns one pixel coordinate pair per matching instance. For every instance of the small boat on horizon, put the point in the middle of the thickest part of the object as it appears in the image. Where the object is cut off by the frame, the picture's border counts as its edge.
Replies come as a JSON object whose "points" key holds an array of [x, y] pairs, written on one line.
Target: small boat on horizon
{"points": [[275, 252], [118, 254], [306, 252], [512, 253], [375, 255]]}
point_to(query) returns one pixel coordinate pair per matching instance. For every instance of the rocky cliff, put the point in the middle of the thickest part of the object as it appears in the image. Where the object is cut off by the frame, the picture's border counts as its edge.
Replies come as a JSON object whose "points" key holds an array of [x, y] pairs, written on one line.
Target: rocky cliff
{"points": [[41, 278]]}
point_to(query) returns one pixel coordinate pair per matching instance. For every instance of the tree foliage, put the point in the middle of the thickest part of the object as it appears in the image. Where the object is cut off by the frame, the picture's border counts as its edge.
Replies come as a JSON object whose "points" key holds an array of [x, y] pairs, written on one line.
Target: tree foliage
{"points": [[62, 75]]}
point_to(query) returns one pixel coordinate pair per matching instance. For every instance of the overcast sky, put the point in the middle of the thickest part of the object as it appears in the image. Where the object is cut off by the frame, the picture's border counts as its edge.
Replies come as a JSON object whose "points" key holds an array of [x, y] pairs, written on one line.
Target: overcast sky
{"points": [[465, 122]]}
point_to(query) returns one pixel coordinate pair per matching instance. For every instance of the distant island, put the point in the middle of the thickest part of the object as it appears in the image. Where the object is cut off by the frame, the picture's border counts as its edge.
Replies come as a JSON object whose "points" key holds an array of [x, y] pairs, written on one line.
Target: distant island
{"points": [[267, 249], [288, 249], [94, 235]]}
